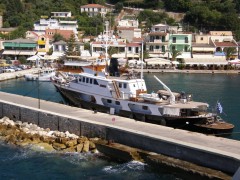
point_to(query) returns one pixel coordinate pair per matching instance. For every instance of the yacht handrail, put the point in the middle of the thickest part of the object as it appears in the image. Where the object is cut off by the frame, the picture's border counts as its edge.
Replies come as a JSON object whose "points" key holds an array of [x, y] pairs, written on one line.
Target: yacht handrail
{"points": [[172, 97]]}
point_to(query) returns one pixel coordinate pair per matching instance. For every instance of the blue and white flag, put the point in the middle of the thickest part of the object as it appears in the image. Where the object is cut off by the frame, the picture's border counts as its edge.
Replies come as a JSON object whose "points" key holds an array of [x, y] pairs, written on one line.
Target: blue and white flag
{"points": [[219, 107]]}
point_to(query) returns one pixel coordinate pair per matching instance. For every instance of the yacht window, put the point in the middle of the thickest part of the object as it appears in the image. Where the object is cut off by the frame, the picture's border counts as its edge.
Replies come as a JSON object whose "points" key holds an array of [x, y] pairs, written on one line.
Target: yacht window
{"points": [[117, 103], [134, 85], [79, 78], [145, 107], [120, 85], [83, 79], [87, 80], [109, 101], [125, 85], [95, 82], [102, 85], [90, 81]]}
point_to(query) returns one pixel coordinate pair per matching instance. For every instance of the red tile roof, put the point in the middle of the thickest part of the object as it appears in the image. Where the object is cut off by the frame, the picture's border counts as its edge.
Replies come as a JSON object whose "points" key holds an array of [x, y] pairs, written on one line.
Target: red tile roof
{"points": [[158, 33], [225, 44], [137, 40], [93, 6], [133, 44], [122, 28], [119, 43], [65, 33]]}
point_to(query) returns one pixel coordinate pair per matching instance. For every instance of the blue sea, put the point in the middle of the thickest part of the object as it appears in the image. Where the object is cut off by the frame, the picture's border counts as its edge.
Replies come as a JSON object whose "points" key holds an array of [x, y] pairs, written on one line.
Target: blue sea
{"points": [[24, 163]]}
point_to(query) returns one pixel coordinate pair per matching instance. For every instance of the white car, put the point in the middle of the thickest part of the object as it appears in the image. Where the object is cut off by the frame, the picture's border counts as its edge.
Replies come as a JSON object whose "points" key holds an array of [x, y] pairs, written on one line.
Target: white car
{"points": [[9, 70]]}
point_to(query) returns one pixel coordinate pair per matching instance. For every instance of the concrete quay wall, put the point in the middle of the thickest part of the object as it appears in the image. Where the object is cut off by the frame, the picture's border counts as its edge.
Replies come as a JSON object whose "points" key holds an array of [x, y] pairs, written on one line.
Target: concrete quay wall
{"points": [[195, 154], [13, 75]]}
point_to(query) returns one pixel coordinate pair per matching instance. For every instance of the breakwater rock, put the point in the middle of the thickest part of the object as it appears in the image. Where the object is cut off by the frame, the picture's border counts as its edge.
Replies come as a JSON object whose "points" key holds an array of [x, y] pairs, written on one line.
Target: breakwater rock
{"points": [[25, 134]]}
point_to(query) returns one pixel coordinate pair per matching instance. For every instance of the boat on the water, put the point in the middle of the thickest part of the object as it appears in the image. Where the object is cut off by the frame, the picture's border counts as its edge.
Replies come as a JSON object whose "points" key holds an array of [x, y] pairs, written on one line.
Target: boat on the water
{"points": [[43, 75], [214, 126], [126, 95]]}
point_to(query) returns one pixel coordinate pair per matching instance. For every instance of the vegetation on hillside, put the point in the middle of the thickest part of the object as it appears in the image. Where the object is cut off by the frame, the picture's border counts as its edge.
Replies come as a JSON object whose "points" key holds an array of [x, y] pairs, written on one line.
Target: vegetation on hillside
{"points": [[201, 15]]}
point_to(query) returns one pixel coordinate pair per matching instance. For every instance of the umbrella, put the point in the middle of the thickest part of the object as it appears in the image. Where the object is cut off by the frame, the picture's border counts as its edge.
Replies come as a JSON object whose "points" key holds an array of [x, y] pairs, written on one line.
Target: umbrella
{"points": [[35, 57]]}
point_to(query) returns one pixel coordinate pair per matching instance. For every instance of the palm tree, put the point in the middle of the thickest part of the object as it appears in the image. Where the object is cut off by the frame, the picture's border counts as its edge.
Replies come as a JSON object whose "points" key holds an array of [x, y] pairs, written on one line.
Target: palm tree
{"points": [[175, 53], [229, 51]]}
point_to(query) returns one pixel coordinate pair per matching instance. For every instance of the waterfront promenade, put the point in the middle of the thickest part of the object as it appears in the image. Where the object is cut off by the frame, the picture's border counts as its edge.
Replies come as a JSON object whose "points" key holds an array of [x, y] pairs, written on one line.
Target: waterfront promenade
{"points": [[187, 71], [214, 152]]}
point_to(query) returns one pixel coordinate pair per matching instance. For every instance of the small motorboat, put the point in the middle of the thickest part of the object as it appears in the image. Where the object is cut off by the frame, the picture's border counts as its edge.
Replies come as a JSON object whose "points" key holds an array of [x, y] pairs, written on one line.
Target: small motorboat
{"points": [[43, 75]]}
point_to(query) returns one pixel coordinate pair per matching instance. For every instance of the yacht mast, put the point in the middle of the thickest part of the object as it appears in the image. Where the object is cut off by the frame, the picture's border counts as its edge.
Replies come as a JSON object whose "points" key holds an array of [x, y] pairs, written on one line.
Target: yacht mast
{"points": [[106, 40], [142, 62]]}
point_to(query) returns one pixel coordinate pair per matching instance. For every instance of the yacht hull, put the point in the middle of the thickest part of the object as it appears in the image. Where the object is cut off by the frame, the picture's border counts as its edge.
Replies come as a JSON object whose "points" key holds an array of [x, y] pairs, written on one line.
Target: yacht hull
{"points": [[81, 100]]}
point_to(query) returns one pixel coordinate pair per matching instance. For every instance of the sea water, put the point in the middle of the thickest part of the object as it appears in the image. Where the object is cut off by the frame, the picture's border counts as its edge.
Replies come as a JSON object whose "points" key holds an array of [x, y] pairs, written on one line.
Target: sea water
{"points": [[24, 163]]}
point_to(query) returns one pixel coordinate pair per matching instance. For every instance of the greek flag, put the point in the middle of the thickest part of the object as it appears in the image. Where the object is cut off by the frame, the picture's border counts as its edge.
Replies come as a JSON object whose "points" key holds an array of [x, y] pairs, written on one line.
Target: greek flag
{"points": [[219, 107]]}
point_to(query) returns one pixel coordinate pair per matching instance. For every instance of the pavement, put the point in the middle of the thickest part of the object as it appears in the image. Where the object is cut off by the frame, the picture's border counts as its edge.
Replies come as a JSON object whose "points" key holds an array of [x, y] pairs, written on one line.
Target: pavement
{"points": [[213, 144]]}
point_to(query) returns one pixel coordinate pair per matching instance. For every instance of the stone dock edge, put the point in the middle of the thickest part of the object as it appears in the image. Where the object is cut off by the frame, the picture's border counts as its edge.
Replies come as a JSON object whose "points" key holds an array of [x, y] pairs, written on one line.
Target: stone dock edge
{"points": [[60, 122]]}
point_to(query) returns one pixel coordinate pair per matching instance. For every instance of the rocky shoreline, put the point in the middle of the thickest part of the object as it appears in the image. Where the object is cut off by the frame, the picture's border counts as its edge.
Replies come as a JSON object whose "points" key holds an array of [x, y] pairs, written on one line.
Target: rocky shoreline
{"points": [[30, 135]]}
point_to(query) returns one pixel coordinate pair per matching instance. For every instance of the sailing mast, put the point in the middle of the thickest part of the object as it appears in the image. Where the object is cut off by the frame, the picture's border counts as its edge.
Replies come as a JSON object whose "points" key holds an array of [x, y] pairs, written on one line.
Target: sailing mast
{"points": [[142, 62]]}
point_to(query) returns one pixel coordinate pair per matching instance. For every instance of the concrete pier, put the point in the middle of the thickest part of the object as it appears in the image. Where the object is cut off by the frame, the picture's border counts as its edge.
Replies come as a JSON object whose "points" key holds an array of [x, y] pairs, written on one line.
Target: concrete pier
{"points": [[208, 151], [17, 74]]}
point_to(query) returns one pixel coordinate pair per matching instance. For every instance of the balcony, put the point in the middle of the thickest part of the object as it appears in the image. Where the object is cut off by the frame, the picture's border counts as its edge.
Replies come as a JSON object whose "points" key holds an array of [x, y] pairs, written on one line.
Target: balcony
{"points": [[41, 50], [40, 42]]}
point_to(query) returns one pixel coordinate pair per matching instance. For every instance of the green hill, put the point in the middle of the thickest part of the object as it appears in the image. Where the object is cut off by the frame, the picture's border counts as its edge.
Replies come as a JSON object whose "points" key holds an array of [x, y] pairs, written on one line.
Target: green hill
{"points": [[201, 15]]}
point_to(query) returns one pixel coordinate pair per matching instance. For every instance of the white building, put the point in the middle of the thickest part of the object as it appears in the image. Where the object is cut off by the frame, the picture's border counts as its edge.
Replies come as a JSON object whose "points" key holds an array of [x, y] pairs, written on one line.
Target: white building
{"points": [[128, 23], [61, 14], [94, 9], [44, 24]]}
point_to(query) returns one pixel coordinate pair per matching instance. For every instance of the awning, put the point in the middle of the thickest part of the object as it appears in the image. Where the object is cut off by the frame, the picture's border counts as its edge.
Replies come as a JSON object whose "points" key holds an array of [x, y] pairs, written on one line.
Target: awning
{"points": [[235, 61], [207, 63], [156, 61], [120, 55], [17, 53]]}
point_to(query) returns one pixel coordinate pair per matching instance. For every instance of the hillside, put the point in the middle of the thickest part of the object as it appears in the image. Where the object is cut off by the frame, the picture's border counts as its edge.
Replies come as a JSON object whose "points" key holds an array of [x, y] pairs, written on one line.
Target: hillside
{"points": [[201, 15]]}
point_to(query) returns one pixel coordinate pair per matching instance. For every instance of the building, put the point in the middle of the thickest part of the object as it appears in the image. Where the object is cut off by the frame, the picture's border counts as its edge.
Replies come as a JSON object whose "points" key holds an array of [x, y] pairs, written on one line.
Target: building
{"points": [[94, 10], [129, 33], [66, 34], [157, 41], [59, 49], [61, 14], [43, 45], [44, 24], [19, 47], [128, 23], [133, 50], [181, 43]]}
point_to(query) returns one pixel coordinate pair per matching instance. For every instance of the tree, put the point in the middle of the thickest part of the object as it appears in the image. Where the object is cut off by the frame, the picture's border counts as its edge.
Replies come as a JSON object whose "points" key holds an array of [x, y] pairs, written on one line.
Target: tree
{"points": [[175, 53], [22, 59], [71, 45], [87, 46], [118, 7], [229, 51], [112, 50], [58, 37]]}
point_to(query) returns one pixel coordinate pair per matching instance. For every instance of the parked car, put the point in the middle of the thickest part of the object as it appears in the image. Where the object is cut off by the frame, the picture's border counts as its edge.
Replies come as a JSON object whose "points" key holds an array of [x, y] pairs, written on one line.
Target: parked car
{"points": [[9, 70], [16, 68]]}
